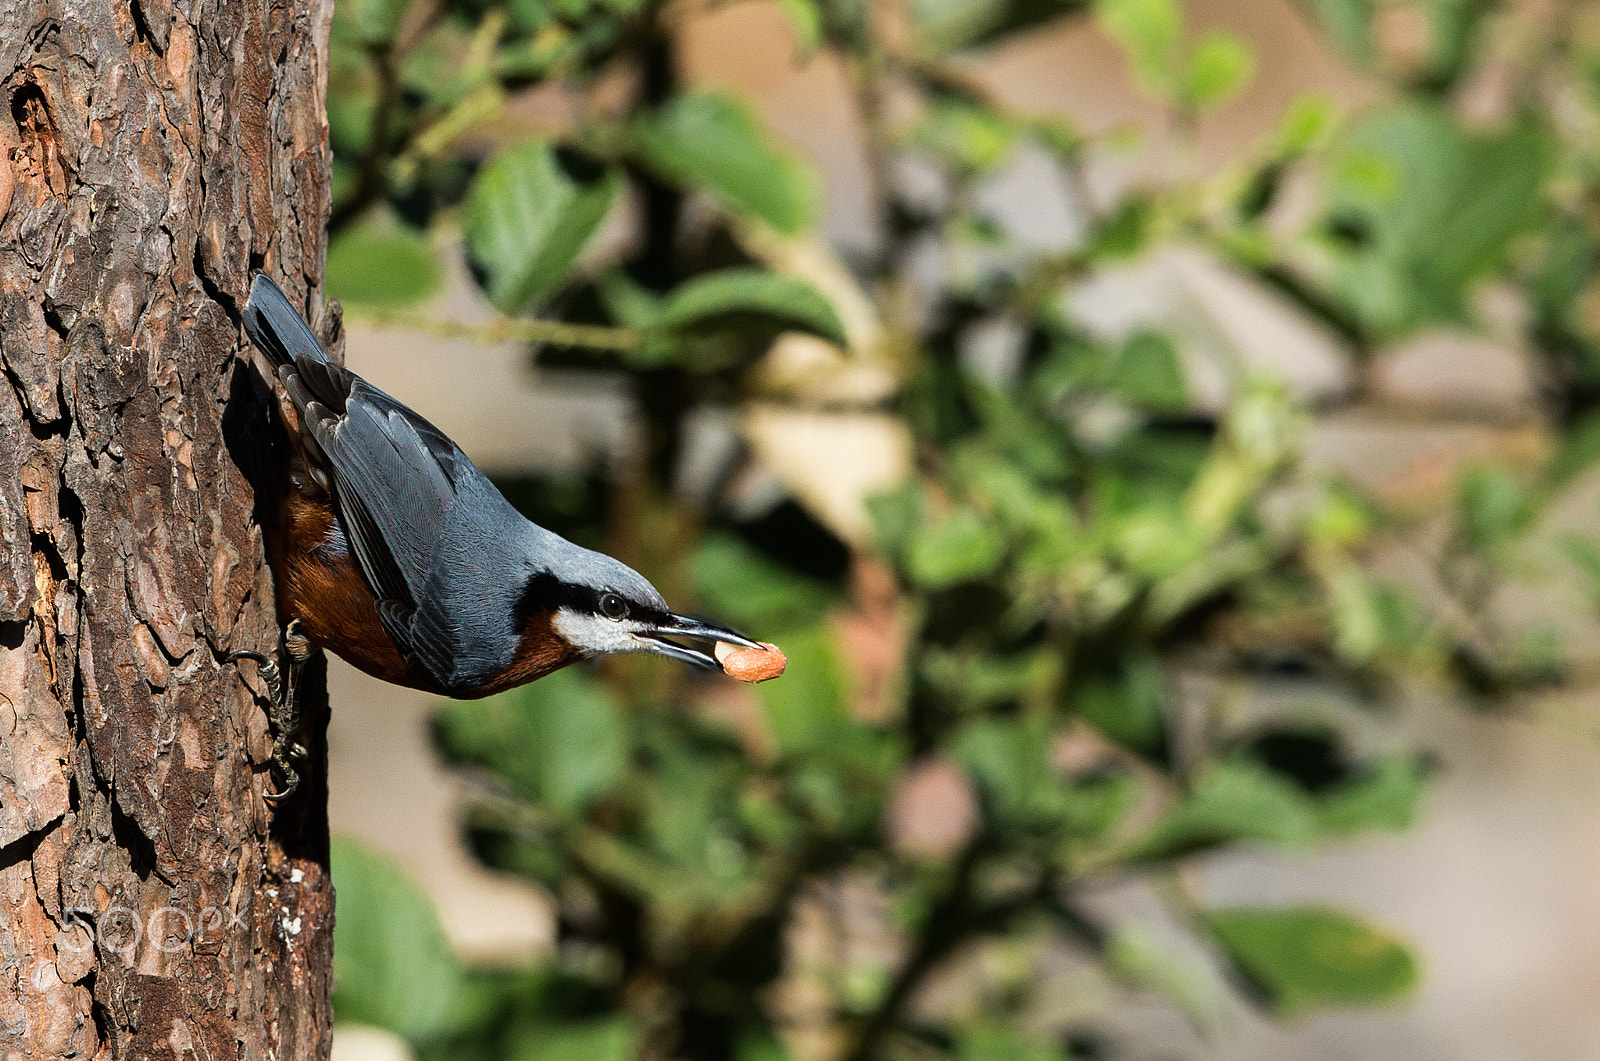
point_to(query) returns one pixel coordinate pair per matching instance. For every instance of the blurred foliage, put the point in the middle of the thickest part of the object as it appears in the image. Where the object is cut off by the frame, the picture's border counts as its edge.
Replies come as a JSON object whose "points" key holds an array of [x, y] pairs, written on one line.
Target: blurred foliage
{"points": [[1033, 586]]}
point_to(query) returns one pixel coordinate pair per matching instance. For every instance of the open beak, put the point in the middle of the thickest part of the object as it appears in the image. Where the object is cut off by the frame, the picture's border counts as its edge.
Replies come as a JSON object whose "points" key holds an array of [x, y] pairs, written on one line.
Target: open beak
{"points": [[658, 639]]}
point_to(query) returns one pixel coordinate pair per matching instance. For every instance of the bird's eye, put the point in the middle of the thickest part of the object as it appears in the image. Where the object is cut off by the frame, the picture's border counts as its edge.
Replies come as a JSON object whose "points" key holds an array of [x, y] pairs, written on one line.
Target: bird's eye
{"points": [[613, 607]]}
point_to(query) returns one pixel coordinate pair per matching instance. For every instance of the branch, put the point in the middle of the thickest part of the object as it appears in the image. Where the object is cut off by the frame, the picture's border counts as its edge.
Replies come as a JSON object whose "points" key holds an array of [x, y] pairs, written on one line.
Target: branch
{"points": [[502, 329]]}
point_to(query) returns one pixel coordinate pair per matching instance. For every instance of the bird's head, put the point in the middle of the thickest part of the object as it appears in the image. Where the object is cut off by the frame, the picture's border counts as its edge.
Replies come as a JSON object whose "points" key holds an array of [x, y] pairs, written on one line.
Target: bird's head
{"points": [[601, 606]]}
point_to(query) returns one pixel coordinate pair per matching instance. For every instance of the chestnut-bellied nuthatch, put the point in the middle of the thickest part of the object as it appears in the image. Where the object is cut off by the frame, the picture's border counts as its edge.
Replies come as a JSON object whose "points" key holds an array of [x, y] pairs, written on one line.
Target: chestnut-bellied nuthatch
{"points": [[397, 554]]}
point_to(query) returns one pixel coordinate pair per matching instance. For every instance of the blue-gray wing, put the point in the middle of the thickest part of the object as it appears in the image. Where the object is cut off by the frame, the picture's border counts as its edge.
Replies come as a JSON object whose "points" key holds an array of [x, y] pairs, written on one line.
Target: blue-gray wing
{"points": [[397, 481]]}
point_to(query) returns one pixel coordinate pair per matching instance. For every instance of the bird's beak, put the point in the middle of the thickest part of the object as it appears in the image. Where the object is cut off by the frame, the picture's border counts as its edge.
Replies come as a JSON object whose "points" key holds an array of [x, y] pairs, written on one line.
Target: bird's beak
{"points": [[658, 639]]}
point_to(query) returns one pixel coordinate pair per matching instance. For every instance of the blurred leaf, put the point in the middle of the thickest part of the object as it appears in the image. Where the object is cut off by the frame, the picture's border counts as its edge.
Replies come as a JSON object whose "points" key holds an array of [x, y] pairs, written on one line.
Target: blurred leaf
{"points": [[762, 1048], [805, 18], [1422, 209], [1585, 556], [612, 1039], [1307, 957], [745, 587], [975, 139], [393, 967], [527, 220], [1494, 506], [1150, 31], [1131, 710], [751, 293], [1010, 759], [1341, 519], [946, 25], [1233, 800], [1580, 449], [1383, 796], [984, 680], [716, 143], [1126, 231], [1148, 374], [1349, 23], [807, 707], [1566, 268], [560, 739], [896, 515], [990, 1040], [1356, 612], [1220, 66], [960, 547], [373, 22], [1309, 120], [380, 267], [1148, 960]]}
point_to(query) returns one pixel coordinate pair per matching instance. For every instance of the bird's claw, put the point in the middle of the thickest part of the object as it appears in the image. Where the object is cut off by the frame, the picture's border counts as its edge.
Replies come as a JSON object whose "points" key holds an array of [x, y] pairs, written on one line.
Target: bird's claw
{"points": [[266, 668], [284, 705]]}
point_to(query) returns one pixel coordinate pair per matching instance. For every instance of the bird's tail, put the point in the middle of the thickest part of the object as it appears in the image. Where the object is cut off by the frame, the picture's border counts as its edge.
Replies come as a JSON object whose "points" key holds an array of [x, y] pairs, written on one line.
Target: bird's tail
{"points": [[277, 327]]}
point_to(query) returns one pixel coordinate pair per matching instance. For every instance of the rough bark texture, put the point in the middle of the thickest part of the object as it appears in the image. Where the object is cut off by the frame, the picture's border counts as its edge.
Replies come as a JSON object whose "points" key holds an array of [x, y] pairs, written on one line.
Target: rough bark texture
{"points": [[152, 904]]}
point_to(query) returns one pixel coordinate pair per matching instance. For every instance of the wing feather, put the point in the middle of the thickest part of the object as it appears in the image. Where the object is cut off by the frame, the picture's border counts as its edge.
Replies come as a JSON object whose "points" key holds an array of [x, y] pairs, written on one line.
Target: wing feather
{"points": [[397, 480]]}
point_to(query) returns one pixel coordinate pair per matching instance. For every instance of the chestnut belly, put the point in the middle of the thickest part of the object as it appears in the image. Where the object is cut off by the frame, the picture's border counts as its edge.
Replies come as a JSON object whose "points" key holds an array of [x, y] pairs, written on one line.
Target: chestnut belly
{"points": [[320, 584]]}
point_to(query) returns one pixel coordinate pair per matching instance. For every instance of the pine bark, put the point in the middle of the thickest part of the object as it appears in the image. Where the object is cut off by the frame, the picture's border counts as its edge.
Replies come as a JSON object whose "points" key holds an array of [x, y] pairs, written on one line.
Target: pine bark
{"points": [[152, 903]]}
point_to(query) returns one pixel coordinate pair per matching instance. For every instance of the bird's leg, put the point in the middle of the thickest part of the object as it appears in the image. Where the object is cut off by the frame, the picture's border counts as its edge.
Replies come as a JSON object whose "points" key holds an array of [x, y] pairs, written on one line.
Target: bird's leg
{"points": [[286, 747], [283, 688]]}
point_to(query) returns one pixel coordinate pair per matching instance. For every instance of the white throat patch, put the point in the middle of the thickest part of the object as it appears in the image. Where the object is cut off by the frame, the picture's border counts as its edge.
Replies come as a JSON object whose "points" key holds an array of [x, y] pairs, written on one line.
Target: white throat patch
{"points": [[596, 635]]}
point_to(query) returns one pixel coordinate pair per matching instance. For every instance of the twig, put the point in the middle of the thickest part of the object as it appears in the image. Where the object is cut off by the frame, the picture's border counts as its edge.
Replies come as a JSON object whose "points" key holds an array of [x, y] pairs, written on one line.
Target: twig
{"points": [[501, 330]]}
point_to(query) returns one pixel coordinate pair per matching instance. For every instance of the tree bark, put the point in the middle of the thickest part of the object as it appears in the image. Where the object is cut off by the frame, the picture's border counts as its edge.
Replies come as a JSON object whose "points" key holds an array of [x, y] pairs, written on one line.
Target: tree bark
{"points": [[152, 903]]}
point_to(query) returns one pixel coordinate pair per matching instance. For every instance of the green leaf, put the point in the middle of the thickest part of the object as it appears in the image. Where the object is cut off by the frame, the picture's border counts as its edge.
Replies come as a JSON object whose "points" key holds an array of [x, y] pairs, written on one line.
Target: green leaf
{"points": [[381, 268], [995, 1040], [527, 220], [1126, 231], [1382, 796], [1420, 209], [1219, 68], [714, 142], [1494, 506], [1234, 800], [613, 1039], [746, 588], [728, 294], [392, 966], [1132, 709], [959, 548], [560, 739], [1580, 449], [1010, 760], [1349, 23], [762, 1047], [1306, 957], [896, 515], [1585, 556], [805, 18], [373, 22], [1148, 959], [945, 25], [1307, 122], [807, 707], [1150, 32], [1147, 373], [976, 139]]}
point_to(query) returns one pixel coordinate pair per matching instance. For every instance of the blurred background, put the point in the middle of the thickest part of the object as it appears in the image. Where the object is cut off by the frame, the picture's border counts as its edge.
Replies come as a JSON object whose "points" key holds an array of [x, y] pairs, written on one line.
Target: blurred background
{"points": [[1162, 435]]}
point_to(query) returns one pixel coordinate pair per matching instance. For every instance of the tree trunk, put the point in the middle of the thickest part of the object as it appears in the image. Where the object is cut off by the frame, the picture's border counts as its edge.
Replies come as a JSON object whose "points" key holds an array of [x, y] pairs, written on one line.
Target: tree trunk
{"points": [[152, 903]]}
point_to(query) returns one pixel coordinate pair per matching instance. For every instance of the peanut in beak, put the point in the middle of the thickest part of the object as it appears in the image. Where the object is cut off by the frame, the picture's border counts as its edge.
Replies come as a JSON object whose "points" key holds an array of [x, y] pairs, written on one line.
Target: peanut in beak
{"points": [[750, 664]]}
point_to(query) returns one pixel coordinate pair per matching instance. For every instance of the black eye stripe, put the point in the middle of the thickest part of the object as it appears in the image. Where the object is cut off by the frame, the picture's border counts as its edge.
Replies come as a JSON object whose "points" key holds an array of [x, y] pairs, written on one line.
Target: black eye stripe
{"points": [[544, 592], [613, 606]]}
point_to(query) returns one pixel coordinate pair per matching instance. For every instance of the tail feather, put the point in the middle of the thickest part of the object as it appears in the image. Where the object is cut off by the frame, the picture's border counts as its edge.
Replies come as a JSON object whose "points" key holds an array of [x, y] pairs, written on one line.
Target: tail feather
{"points": [[277, 327]]}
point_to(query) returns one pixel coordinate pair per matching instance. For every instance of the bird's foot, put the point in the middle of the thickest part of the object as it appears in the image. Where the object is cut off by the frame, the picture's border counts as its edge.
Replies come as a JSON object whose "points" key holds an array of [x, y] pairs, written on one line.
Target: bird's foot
{"points": [[284, 704]]}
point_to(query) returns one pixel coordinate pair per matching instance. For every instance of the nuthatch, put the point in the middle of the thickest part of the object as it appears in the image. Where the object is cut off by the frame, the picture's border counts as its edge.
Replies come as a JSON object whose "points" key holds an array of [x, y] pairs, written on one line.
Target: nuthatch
{"points": [[397, 554]]}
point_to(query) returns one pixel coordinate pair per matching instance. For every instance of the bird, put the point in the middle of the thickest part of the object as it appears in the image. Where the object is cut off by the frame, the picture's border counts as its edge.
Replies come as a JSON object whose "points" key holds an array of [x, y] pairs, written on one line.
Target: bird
{"points": [[395, 553]]}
